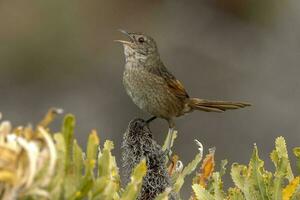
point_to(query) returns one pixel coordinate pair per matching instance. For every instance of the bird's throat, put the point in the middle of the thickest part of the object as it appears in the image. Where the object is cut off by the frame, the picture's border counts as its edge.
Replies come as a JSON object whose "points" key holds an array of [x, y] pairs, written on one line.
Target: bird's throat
{"points": [[137, 58]]}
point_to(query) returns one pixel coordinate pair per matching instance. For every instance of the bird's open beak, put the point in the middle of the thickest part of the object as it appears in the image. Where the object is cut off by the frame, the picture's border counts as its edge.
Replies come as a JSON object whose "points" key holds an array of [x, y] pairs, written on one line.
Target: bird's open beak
{"points": [[124, 41]]}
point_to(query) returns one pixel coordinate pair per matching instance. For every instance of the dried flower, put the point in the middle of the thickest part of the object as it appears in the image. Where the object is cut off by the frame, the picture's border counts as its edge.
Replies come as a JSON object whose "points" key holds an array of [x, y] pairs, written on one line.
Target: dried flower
{"points": [[26, 165]]}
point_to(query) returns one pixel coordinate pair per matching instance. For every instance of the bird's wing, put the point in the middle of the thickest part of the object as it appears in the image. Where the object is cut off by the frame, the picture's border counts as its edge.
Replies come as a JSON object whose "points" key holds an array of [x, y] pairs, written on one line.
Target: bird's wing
{"points": [[173, 84], [177, 88]]}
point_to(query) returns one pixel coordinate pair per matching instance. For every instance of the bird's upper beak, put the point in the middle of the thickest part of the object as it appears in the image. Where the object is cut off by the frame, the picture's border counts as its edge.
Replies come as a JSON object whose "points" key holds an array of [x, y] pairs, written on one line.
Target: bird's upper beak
{"points": [[124, 41]]}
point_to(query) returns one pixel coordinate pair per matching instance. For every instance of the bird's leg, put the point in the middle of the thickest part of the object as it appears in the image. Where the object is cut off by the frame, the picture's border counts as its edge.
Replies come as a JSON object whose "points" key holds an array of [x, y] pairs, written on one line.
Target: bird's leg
{"points": [[147, 122], [150, 119]]}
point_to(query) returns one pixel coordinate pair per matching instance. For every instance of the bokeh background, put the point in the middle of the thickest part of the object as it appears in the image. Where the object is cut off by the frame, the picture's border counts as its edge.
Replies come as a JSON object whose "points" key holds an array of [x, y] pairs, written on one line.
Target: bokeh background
{"points": [[61, 53]]}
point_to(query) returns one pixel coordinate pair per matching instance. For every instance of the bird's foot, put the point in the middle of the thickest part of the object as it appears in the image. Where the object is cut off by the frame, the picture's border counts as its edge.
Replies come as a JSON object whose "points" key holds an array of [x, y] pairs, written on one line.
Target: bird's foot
{"points": [[145, 125], [150, 119], [147, 122]]}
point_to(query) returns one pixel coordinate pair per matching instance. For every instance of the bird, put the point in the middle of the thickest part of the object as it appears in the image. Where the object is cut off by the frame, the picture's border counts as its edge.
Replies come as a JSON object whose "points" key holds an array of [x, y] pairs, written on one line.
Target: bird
{"points": [[154, 89]]}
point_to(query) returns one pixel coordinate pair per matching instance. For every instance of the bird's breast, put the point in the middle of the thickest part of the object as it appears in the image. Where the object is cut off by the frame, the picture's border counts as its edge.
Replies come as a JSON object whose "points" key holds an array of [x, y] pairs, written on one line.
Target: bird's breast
{"points": [[150, 92]]}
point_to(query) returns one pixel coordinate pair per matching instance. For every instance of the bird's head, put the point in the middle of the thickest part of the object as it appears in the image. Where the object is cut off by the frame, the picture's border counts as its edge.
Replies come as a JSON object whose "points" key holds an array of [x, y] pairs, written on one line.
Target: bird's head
{"points": [[139, 46]]}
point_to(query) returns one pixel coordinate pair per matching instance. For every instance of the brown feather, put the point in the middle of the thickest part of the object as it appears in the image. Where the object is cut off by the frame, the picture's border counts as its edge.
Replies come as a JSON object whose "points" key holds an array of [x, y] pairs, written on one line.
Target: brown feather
{"points": [[215, 106], [177, 88]]}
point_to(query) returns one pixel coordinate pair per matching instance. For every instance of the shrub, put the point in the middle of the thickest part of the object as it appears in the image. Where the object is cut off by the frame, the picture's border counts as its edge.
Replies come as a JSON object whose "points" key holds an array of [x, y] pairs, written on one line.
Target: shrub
{"points": [[38, 164]]}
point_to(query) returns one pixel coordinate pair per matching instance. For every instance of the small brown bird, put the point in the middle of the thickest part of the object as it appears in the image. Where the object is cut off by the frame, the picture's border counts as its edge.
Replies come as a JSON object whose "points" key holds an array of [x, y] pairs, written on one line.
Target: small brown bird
{"points": [[154, 89]]}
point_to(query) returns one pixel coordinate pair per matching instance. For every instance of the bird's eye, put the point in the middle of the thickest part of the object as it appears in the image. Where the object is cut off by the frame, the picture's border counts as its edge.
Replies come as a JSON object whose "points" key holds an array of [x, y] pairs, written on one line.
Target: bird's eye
{"points": [[141, 40]]}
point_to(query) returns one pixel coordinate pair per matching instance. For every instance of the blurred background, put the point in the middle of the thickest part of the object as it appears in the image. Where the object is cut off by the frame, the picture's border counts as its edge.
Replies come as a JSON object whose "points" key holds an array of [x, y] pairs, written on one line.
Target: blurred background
{"points": [[61, 53]]}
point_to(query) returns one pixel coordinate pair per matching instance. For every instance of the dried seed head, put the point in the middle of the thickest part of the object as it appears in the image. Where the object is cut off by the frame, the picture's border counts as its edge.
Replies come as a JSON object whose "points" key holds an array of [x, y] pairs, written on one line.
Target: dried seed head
{"points": [[138, 144]]}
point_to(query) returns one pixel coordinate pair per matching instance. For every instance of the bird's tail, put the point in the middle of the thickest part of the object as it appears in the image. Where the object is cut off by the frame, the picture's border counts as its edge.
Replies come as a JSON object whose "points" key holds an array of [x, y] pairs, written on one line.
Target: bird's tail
{"points": [[214, 106]]}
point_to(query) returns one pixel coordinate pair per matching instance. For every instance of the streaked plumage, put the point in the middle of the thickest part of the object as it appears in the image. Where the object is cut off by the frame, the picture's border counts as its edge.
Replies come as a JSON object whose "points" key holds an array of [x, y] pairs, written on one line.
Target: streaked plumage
{"points": [[154, 89]]}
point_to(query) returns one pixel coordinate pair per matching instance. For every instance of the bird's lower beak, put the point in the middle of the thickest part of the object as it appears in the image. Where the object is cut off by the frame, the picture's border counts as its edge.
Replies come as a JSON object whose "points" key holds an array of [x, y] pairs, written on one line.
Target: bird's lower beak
{"points": [[124, 41]]}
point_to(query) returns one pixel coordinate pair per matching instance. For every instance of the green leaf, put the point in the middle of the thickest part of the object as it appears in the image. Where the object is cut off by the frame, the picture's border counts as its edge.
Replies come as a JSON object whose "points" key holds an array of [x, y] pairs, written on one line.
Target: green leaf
{"points": [[77, 161], [92, 147], [258, 174], [133, 188], [92, 150], [283, 168], [57, 187], [296, 152], [282, 153], [240, 177], [223, 167], [201, 193], [105, 188], [186, 171], [68, 134], [167, 140], [235, 194], [164, 195], [106, 161], [296, 195], [84, 187], [108, 181], [218, 186]]}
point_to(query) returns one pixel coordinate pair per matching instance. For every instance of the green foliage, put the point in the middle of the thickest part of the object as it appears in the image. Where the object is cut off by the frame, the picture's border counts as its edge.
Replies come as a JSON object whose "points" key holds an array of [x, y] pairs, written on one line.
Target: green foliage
{"points": [[164, 195], [201, 193], [94, 175], [253, 182], [297, 154], [55, 167], [186, 171], [133, 188]]}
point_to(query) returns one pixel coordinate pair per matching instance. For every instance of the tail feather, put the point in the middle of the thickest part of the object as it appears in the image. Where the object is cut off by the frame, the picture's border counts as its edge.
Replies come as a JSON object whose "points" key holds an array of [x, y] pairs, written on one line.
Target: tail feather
{"points": [[215, 106]]}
